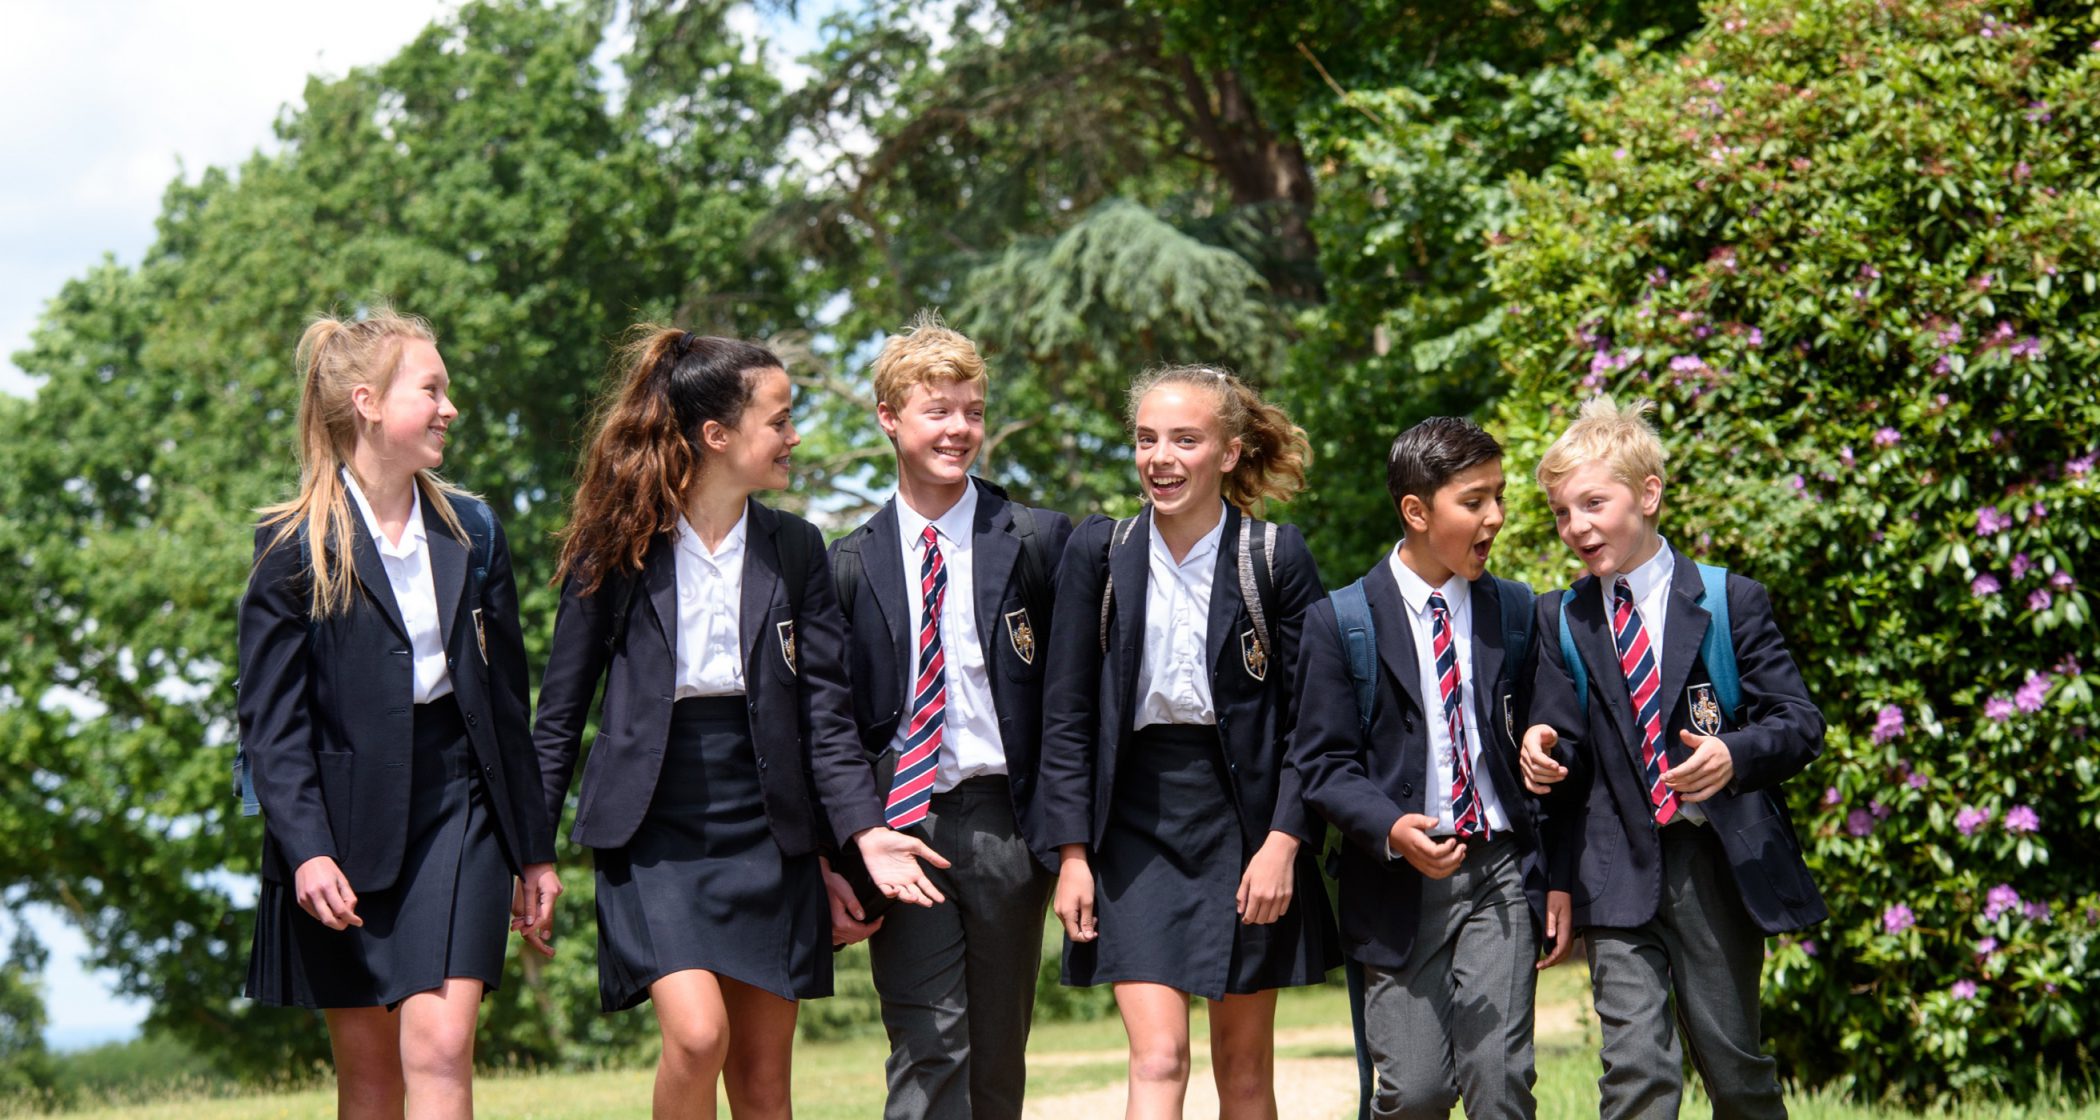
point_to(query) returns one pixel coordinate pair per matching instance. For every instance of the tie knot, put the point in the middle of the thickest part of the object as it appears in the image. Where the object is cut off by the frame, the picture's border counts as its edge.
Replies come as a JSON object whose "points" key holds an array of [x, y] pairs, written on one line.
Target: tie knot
{"points": [[1622, 592], [1437, 604], [930, 538]]}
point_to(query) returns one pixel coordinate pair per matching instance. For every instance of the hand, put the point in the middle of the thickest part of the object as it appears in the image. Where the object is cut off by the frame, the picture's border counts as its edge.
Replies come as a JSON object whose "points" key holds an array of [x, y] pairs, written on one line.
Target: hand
{"points": [[323, 892], [1074, 902], [849, 920], [1265, 887], [1435, 858], [1560, 929], [1706, 773], [893, 859], [1535, 758], [532, 905]]}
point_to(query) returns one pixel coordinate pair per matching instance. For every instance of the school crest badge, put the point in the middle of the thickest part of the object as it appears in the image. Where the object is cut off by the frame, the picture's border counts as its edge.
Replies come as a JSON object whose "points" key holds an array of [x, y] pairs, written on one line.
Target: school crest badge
{"points": [[1706, 711], [1021, 636], [786, 633], [1509, 717], [481, 640], [1254, 656]]}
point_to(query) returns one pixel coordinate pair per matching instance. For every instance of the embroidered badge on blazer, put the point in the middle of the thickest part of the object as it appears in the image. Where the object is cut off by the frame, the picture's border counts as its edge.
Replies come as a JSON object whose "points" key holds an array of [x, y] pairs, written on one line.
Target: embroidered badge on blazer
{"points": [[1706, 711], [1254, 656], [1509, 717], [481, 640], [786, 632], [1021, 635]]}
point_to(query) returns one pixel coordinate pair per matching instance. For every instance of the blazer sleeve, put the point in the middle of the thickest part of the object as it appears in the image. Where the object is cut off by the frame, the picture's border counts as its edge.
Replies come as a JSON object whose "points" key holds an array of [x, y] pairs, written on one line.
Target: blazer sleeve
{"points": [[839, 770], [1327, 744], [274, 703], [512, 700], [1072, 687], [1297, 590], [576, 662], [1552, 701], [1780, 730]]}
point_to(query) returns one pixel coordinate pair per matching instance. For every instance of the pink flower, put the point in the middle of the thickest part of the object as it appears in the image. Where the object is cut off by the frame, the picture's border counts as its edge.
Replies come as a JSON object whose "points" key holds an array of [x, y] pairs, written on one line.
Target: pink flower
{"points": [[1898, 918], [2036, 912], [1986, 947], [1888, 723], [1998, 709], [2039, 599], [2033, 691], [1918, 781], [2022, 818], [1969, 820], [1831, 796], [2080, 465], [1808, 948], [1859, 823], [1887, 437], [1964, 989], [2021, 565], [1998, 900], [1983, 585], [2062, 580], [2068, 667], [1990, 522]]}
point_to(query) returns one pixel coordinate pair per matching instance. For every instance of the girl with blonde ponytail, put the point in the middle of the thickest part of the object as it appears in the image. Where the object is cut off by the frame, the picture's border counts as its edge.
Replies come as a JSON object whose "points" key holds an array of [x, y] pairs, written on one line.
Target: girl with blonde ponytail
{"points": [[383, 715], [726, 757], [1186, 850]]}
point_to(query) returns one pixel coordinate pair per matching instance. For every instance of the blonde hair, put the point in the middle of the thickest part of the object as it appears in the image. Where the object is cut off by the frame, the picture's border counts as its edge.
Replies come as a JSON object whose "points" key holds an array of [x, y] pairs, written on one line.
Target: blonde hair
{"points": [[1620, 438], [1273, 451], [927, 352], [334, 357]]}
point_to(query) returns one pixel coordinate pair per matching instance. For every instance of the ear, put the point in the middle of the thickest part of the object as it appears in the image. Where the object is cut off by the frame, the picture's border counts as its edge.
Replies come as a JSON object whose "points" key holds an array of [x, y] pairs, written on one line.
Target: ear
{"points": [[1414, 513], [887, 417], [714, 436], [1651, 497], [1232, 455], [366, 402]]}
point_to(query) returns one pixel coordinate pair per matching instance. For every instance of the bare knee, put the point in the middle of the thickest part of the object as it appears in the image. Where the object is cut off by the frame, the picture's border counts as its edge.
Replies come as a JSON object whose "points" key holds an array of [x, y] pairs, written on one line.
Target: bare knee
{"points": [[1243, 1077], [696, 1045], [1159, 1061], [439, 1048]]}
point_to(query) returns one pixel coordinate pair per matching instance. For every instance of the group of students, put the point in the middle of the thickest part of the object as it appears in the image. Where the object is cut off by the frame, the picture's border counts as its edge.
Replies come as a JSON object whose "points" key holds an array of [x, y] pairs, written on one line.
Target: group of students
{"points": [[967, 710]]}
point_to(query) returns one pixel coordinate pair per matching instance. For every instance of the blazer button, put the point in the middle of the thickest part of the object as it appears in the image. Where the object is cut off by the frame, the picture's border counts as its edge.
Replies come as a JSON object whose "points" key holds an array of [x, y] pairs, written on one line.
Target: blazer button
{"points": [[761, 764], [1406, 790], [470, 719], [399, 652]]}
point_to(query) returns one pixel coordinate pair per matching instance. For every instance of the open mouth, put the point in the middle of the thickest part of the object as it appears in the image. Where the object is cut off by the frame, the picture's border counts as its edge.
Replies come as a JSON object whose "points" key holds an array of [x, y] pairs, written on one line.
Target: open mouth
{"points": [[1481, 548], [952, 454], [1589, 551], [1167, 487]]}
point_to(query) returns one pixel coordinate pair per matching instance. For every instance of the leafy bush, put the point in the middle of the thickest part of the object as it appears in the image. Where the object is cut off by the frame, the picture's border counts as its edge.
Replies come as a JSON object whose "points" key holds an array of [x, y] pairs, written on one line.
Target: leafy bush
{"points": [[1852, 250]]}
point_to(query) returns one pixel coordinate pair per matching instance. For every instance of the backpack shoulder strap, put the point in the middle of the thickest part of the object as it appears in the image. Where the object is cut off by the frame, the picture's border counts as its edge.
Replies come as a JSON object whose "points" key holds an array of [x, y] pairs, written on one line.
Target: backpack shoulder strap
{"points": [[792, 539], [1352, 616], [1576, 669], [1116, 540], [1516, 624], [848, 570], [480, 525], [1258, 575], [1717, 649], [1035, 566]]}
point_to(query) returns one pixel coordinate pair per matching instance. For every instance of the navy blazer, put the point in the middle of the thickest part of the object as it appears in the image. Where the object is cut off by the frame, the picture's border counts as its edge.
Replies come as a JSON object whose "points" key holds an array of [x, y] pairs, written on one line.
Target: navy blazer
{"points": [[818, 762], [1365, 786], [882, 657], [1090, 701], [326, 709], [1609, 824]]}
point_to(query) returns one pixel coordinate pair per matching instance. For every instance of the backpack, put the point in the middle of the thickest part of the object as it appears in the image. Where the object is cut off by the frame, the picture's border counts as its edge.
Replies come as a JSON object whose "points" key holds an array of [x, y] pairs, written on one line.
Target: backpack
{"points": [[1257, 572], [480, 525], [849, 570], [1716, 649], [1352, 616]]}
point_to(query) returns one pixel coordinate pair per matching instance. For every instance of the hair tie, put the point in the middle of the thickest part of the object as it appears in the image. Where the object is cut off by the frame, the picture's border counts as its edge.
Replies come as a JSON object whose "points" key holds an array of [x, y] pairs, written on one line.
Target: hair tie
{"points": [[684, 345]]}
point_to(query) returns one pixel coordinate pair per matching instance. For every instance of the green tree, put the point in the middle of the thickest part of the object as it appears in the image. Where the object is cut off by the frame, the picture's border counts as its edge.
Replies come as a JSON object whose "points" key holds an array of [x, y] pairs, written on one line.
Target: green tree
{"points": [[1852, 252]]}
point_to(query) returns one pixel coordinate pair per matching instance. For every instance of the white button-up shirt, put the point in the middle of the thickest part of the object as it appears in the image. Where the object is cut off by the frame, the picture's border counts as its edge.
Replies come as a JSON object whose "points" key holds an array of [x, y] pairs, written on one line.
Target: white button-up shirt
{"points": [[970, 742], [415, 592], [1458, 599], [1173, 679], [710, 654], [1650, 584]]}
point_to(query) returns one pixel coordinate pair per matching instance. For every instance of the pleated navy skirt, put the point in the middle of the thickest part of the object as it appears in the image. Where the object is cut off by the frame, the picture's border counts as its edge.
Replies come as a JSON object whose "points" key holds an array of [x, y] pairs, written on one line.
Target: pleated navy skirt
{"points": [[446, 916], [1166, 877], [702, 885]]}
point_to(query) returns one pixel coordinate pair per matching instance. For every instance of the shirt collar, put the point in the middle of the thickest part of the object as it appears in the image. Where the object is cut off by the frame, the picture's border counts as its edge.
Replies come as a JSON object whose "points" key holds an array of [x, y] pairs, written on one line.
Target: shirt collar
{"points": [[1415, 591], [1205, 546], [954, 527], [1653, 573], [411, 533], [733, 543]]}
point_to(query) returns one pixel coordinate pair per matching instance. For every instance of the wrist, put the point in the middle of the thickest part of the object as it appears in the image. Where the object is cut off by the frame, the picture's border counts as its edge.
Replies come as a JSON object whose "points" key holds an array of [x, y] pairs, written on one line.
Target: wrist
{"points": [[1071, 853]]}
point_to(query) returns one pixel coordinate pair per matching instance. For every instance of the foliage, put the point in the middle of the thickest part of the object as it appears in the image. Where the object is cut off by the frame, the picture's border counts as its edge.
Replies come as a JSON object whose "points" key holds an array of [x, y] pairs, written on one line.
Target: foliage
{"points": [[26, 1068], [1852, 251]]}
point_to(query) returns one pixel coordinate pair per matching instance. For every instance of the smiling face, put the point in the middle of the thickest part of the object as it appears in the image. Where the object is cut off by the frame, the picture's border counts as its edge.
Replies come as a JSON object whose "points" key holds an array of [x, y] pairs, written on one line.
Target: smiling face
{"points": [[755, 452], [405, 422], [1182, 452], [1607, 523], [1455, 530], [938, 430]]}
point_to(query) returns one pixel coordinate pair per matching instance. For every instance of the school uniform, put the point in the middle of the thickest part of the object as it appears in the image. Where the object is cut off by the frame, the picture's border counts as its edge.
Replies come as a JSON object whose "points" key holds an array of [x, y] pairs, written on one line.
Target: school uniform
{"points": [[1165, 758], [1692, 898], [393, 739], [957, 981], [724, 759], [1448, 963]]}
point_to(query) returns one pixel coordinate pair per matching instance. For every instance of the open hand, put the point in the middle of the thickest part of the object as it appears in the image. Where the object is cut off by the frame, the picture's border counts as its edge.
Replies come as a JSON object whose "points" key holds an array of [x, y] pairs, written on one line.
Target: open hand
{"points": [[893, 859], [1535, 758], [1706, 773]]}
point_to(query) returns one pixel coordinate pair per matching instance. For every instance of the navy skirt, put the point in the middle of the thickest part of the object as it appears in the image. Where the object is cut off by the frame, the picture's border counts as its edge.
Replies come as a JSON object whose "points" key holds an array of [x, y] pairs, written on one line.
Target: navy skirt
{"points": [[1166, 875], [702, 884], [446, 916]]}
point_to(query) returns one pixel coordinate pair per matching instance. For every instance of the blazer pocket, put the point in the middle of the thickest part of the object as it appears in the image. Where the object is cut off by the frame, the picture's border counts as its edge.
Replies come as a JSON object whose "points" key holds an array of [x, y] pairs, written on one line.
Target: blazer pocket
{"points": [[1770, 875], [1593, 864], [337, 770]]}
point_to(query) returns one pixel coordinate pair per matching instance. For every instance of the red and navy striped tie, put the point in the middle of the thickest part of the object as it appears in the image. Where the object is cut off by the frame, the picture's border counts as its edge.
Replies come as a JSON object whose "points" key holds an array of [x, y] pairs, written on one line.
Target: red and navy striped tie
{"points": [[1644, 685], [913, 787], [1466, 815]]}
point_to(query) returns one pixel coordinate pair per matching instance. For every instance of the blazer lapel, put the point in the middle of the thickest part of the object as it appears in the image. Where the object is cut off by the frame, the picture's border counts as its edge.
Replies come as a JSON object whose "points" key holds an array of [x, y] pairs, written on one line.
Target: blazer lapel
{"points": [[1488, 653], [660, 580], [993, 550], [448, 569], [882, 562], [1600, 653], [1222, 630], [761, 576], [1683, 631], [1131, 569], [371, 571], [1396, 636]]}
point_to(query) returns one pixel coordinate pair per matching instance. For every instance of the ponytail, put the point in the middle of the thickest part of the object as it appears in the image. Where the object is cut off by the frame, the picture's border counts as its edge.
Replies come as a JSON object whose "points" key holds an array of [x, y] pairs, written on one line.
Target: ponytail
{"points": [[644, 451], [1273, 451]]}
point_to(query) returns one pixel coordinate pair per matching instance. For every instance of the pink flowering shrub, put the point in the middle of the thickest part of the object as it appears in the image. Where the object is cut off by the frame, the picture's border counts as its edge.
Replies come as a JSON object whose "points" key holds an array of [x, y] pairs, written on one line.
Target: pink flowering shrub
{"points": [[1852, 251]]}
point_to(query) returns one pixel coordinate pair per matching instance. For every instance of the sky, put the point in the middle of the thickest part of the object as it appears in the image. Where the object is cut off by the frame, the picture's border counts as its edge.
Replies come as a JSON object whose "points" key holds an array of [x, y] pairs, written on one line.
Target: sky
{"points": [[108, 101]]}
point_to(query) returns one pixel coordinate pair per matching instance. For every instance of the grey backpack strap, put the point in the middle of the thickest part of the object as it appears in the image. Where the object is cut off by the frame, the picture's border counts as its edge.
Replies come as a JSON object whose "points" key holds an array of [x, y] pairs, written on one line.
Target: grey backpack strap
{"points": [[1257, 537], [1108, 588]]}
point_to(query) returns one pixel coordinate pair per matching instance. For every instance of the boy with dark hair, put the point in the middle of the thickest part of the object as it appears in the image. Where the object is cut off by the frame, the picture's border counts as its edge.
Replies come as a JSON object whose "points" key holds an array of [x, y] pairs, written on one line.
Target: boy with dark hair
{"points": [[1409, 684], [1667, 713]]}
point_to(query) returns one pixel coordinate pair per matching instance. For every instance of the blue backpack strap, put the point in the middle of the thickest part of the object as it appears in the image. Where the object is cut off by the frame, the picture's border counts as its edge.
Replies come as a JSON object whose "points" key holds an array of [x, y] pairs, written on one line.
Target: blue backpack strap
{"points": [[1352, 616], [1717, 649], [1579, 672]]}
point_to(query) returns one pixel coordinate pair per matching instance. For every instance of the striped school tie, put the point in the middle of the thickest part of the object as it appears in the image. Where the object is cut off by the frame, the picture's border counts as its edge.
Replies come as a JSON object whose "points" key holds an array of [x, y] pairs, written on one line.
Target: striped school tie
{"points": [[913, 787], [1466, 815], [1644, 685]]}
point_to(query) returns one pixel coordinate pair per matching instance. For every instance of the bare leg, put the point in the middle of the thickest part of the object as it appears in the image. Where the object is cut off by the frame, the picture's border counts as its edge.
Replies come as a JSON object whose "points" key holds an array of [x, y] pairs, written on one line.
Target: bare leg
{"points": [[367, 1046], [759, 1071], [1156, 1018], [695, 1023], [1243, 1055], [437, 1050]]}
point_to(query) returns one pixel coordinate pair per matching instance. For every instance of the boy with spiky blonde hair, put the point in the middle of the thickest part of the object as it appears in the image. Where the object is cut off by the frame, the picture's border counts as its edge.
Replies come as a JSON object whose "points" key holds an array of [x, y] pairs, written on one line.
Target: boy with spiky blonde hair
{"points": [[1664, 714], [947, 593]]}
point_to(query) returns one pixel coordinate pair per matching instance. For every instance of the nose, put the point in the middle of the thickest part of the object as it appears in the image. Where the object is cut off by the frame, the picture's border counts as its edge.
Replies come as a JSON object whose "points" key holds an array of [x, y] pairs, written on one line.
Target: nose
{"points": [[794, 438], [446, 408]]}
